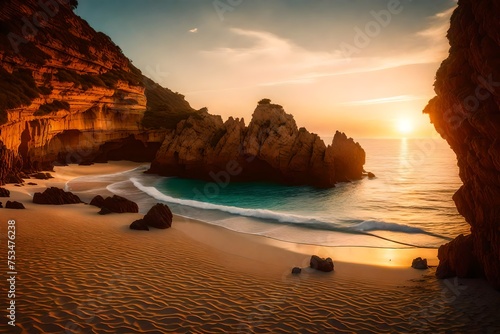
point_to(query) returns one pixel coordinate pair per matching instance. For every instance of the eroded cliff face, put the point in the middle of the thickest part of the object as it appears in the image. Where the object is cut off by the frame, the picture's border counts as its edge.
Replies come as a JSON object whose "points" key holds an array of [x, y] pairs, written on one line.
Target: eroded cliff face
{"points": [[466, 112], [271, 148], [69, 95]]}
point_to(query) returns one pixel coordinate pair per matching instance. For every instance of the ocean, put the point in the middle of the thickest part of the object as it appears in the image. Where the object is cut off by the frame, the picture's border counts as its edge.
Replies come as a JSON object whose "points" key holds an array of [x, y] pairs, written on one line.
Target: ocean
{"points": [[408, 204]]}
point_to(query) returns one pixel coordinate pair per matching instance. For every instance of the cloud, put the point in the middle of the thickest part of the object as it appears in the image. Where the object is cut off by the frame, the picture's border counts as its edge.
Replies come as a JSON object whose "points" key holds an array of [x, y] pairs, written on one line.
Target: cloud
{"points": [[194, 30]]}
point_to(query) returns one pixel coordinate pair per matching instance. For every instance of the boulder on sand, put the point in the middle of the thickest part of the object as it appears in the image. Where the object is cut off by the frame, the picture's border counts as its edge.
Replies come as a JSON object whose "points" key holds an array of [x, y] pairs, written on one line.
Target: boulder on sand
{"points": [[120, 204], [4, 192], [321, 264], [97, 201], [159, 216], [55, 196], [139, 225], [14, 205], [419, 263]]}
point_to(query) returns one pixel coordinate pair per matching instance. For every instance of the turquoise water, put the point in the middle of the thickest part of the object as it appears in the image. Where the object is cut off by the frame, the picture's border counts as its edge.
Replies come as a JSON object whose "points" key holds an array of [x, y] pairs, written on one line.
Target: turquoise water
{"points": [[408, 204]]}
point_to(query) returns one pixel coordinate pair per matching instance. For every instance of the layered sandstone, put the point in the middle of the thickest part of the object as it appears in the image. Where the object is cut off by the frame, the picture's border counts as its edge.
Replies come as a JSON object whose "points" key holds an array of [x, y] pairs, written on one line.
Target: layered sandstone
{"points": [[69, 95], [466, 112]]}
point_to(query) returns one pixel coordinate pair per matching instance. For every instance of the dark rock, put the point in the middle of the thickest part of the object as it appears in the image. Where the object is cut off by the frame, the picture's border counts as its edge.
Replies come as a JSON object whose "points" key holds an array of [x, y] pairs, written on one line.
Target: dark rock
{"points": [[14, 205], [105, 211], [42, 176], [272, 148], [419, 263], [321, 264], [120, 204], [32, 184], [97, 201], [23, 175], [296, 270], [86, 163], [465, 112], [4, 192], [457, 258], [55, 196], [371, 175], [159, 216], [13, 178], [18, 185], [1, 206], [139, 224]]}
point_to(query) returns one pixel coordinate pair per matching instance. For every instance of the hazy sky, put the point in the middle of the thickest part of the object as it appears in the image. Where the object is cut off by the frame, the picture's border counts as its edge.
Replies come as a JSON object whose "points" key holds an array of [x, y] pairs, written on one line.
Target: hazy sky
{"points": [[365, 67]]}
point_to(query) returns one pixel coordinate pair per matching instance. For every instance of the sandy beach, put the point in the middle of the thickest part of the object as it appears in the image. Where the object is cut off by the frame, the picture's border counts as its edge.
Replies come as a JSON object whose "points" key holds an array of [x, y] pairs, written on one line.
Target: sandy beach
{"points": [[80, 272]]}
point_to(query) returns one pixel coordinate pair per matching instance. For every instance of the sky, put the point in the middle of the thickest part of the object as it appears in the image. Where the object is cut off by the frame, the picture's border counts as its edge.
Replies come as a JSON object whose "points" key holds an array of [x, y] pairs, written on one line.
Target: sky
{"points": [[364, 67]]}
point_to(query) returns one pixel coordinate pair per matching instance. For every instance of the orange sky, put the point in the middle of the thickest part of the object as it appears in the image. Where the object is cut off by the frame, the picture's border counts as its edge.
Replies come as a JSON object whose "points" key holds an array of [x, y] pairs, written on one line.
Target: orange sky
{"points": [[363, 67]]}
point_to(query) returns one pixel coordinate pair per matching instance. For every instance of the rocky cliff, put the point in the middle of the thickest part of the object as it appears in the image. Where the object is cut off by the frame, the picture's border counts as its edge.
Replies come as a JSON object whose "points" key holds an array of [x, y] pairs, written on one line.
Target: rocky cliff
{"points": [[466, 112], [69, 95], [271, 148]]}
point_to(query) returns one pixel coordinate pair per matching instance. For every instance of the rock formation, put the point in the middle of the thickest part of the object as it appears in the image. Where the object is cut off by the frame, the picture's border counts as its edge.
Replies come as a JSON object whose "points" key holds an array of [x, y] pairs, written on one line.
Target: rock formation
{"points": [[271, 148], [4, 192], [69, 95], [97, 201], [321, 264], [419, 263], [466, 112], [55, 196], [159, 216], [118, 204], [14, 205]]}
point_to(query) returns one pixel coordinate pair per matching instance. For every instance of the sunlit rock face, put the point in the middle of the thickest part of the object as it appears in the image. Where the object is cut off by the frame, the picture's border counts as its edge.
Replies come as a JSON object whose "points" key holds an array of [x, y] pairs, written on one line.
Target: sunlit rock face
{"points": [[68, 94], [271, 148], [466, 112]]}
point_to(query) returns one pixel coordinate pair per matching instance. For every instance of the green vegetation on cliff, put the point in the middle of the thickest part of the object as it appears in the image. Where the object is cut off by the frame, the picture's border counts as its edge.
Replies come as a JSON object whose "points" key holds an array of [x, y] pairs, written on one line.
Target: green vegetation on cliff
{"points": [[164, 108]]}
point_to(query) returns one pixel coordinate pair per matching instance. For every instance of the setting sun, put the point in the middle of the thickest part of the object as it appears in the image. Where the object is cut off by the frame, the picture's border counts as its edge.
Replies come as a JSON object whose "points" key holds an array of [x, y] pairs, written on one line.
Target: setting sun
{"points": [[404, 126]]}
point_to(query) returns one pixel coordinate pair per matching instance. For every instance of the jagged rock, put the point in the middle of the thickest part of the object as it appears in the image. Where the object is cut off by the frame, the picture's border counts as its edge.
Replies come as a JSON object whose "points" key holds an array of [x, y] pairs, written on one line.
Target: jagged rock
{"points": [[457, 259], [466, 113], [119, 204], [42, 176], [159, 216], [140, 225], [97, 201], [296, 270], [55, 196], [321, 264], [14, 205], [419, 263], [4, 192], [271, 148]]}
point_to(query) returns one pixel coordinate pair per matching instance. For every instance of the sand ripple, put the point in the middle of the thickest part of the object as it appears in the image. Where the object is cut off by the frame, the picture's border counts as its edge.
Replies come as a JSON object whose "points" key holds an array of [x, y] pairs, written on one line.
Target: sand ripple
{"points": [[95, 276]]}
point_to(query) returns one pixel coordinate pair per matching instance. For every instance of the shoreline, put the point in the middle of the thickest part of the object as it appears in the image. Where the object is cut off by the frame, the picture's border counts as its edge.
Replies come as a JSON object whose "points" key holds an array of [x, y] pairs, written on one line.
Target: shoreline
{"points": [[245, 264], [197, 230]]}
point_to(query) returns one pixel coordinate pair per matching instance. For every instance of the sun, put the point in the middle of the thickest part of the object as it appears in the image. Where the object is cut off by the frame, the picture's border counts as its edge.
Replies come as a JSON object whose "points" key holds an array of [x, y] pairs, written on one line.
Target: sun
{"points": [[404, 126]]}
